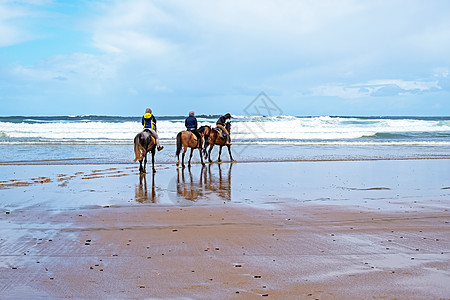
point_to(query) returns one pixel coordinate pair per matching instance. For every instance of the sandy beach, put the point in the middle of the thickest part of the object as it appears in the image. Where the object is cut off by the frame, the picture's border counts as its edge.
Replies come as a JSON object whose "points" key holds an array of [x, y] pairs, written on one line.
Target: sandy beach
{"points": [[279, 230], [326, 130]]}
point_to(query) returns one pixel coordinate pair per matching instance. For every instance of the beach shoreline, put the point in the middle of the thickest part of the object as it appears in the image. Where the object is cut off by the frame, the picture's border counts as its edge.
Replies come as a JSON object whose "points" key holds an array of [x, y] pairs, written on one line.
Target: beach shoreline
{"points": [[297, 230], [196, 160]]}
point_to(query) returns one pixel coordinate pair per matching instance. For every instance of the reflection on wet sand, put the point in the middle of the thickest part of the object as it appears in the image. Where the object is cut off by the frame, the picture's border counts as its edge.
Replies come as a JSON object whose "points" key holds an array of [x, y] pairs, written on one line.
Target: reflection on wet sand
{"points": [[209, 183], [142, 195]]}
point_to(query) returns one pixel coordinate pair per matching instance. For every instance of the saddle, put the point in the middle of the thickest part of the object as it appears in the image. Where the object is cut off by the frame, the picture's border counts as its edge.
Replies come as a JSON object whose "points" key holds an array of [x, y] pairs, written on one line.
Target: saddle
{"points": [[151, 135], [195, 137], [222, 134]]}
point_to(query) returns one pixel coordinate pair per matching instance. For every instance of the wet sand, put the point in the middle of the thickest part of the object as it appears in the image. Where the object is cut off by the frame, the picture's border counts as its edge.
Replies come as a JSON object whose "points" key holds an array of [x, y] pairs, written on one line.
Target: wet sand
{"points": [[303, 230]]}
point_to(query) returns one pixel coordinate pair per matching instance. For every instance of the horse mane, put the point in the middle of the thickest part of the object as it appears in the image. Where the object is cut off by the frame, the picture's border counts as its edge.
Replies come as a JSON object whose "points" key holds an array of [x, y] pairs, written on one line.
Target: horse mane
{"points": [[228, 127]]}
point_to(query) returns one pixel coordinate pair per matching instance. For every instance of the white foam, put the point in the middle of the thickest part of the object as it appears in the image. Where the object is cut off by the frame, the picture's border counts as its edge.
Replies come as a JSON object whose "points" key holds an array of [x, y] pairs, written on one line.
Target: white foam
{"points": [[246, 129]]}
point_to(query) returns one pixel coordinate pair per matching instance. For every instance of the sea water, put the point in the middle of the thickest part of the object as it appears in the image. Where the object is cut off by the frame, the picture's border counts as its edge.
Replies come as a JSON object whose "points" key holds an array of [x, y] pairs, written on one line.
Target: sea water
{"points": [[109, 139]]}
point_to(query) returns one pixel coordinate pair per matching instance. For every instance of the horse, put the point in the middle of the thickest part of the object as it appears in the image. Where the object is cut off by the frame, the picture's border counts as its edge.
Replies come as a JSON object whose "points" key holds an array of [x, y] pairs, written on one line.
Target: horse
{"points": [[215, 138], [206, 133], [144, 142], [187, 139]]}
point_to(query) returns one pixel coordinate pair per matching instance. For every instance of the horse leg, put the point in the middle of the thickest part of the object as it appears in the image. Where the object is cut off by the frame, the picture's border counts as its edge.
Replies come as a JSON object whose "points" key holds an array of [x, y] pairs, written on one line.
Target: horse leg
{"points": [[206, 142], [209, 153], [229, 152], [153, 160], [190, 156], [179, 146], [141, 170], [205, 151], [145, 162], [182, 157], [201, 157], [220, 152]]}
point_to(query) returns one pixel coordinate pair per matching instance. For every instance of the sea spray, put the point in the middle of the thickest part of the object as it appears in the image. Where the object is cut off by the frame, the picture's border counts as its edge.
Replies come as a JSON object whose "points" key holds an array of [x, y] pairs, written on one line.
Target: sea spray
{"points": [[258, 130]]}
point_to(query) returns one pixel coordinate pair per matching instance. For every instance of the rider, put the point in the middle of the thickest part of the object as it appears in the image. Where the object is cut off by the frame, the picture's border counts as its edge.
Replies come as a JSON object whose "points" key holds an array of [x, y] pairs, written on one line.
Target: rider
{"points": [[221, 124], [149, 123], [191, 125]]}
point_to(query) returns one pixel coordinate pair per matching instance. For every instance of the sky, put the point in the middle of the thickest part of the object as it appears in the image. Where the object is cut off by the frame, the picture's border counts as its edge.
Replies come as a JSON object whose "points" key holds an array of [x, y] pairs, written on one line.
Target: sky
{"points": [[308, 57]]}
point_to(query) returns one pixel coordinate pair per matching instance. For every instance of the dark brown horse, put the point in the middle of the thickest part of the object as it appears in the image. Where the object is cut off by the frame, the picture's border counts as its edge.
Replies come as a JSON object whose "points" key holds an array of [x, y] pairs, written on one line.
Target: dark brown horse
{"points": [[215, 138], [187, 139], [144, 142], [206, 134]]}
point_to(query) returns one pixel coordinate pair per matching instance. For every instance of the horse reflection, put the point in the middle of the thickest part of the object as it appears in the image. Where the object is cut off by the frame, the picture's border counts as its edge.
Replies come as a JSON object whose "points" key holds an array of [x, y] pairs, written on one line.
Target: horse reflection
{"points": [[209, 184], [141, 193]]}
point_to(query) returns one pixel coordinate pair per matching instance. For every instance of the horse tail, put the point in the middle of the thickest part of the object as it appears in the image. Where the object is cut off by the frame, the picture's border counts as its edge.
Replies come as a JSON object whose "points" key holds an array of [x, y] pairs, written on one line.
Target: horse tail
{"points": [[137, 148], [179, 144]]}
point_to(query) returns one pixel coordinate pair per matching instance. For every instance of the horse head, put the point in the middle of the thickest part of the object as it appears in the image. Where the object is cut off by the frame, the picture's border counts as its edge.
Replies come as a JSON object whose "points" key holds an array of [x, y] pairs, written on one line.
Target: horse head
{"points": [[228, 127], [204, 130]]}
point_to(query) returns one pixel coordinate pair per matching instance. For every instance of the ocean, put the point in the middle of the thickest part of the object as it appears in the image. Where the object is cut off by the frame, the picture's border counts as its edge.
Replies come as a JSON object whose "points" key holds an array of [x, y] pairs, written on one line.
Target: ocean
{"points": [[95, 139]]}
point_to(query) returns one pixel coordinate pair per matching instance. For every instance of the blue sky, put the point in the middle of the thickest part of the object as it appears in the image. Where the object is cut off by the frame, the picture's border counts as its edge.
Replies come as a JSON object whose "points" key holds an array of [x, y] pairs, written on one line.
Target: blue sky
{"points": [[310, 57]]}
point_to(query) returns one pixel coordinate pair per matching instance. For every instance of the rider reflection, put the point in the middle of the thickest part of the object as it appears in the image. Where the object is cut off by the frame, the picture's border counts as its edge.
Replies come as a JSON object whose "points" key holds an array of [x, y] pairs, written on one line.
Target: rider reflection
{"points": [[208, 185], [141, 193]]}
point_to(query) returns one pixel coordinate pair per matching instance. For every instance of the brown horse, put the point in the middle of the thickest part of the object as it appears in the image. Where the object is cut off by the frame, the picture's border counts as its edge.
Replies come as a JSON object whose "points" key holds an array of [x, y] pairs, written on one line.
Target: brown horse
{"points": [[215, 138], [187, 139], [144, 142], [206, 133]]}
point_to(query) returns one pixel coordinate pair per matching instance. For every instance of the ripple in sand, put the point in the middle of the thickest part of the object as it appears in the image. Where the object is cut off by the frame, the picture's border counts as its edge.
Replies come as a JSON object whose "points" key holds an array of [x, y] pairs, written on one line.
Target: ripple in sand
{"points": [[370, 189]]}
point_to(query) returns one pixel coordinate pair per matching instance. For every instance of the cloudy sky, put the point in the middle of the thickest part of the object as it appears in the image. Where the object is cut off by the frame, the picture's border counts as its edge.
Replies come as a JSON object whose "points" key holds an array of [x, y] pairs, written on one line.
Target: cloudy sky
{"points": [[324, 57]]}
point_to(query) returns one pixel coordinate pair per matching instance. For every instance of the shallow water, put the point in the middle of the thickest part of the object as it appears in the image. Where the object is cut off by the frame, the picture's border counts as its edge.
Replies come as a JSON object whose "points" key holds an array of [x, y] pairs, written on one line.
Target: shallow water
{"points": [[389, 184], [118, 154]]}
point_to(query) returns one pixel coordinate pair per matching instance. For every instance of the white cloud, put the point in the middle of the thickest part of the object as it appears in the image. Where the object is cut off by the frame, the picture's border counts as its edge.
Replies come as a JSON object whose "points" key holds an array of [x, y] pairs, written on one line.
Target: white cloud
{"points": [[272, 19], [128, 28], [441, 72], [131, 43], [338, 91], [11, 29], [404, 84], [382, 87], [17, 20], [75, 67], [222, 48], [138, 26]]}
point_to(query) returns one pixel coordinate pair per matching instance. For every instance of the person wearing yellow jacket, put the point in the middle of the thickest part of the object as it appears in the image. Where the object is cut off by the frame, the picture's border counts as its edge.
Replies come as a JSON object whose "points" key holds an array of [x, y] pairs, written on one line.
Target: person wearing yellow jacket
{"points": [[149, 123]]}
